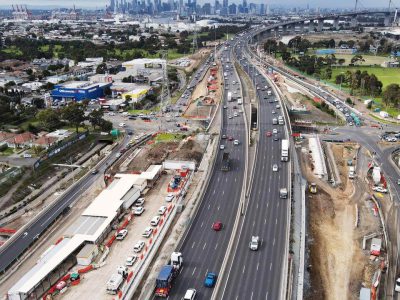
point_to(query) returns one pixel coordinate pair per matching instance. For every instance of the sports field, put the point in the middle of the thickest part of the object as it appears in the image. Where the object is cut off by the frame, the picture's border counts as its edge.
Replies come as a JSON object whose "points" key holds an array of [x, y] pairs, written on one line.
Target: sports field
{"points": [[386, 75], [369, 59]]}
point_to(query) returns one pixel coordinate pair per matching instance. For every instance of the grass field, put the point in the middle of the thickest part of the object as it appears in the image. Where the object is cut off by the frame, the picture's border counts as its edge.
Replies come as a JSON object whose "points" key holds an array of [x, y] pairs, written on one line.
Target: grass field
{"points": [[386, 75], [143, 111], [13, 50], [168, 137], [369, 59]]}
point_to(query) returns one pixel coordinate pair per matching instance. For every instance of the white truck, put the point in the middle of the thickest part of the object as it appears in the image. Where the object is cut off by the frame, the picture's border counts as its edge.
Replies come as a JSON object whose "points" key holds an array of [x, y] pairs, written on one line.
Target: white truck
{"points": [[229, 96], [240, 101], [285, 150], [116, 280], [269, 93], [283, 193], [352, 172]]}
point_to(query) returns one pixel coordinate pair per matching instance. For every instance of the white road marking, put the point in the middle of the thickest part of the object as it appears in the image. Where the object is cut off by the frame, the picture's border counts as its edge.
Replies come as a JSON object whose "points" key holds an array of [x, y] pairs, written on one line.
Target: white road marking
{"points": [[223, 192], [257, 205], [194, 270], [202, 223], [269, 188], [276, 221], [235, 179], [244, 268], [226, 180], [273, 243], [266, 296], [213, 191], [277, 206], [254, 223], [251, 295], [258, 265], [216, 246], [270, 266], [218, 207], [208, 206], [204, 246], [218, 178], [193, 244], [265, 221]]}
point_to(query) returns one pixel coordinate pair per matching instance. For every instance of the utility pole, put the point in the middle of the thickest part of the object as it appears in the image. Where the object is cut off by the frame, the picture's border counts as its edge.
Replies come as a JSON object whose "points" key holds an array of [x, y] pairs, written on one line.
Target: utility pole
{"points": [[165, 92]]}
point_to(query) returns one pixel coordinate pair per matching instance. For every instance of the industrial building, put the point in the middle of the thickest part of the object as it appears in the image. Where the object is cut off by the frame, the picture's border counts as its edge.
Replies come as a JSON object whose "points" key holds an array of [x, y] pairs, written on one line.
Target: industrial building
{"points": [[78, 91], [91, 228]]}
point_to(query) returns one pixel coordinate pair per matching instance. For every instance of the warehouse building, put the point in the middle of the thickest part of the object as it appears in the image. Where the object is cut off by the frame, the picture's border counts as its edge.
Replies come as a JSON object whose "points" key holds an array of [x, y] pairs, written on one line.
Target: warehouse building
{"points": [[91, 228], [78, 91]]}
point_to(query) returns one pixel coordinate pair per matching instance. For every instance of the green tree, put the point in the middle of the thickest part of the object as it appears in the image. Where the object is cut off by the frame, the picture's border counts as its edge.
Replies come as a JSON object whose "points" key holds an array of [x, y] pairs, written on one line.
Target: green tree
{"points": [[96, 118], [391, 95], [101, 69], [49, 119], [74, 114], [106, 125]]}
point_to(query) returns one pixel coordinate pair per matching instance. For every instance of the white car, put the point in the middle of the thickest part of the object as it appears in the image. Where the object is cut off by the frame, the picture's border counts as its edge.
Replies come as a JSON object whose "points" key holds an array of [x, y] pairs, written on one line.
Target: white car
{"points": [[137, 211], [221, 147], [230, 117], [277, 106], [379, 189], [235, 114], [397, 286], [121, 234], [169, 197], [190, 294], [162, 210], [225, 107], [139, 202], [254, 243], [122, 124], [138, 247], [275, 168], [236, 142], [273, 112], [155, 221], [147, 232], [130, 260], [274, 131]]}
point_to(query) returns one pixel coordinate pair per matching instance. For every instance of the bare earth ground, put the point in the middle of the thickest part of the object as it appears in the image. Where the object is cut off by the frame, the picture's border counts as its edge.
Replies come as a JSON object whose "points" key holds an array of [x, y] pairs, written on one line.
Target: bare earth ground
{"points": [[337, 262]]}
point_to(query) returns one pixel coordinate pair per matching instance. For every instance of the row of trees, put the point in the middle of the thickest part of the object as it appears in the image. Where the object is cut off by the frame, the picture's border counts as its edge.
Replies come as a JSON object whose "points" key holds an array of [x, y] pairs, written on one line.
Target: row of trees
{"points": [[73, 115], [391, 95], [360, 82]]}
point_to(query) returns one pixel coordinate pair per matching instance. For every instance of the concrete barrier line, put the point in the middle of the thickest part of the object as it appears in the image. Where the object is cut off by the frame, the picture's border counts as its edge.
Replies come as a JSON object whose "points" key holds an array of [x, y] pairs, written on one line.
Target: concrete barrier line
{"points": [[238, 213]]}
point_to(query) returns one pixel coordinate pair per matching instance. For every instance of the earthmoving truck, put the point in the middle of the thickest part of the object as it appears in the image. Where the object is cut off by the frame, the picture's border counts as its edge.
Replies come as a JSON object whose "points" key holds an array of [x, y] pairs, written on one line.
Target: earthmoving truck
{"points": [[225, 162], [285, 150], [167, 275]]}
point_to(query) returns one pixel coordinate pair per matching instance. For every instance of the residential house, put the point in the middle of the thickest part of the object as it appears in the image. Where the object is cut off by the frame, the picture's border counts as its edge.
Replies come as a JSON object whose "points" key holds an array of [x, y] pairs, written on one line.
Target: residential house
{"points": [[21, 140], [44, 141]]}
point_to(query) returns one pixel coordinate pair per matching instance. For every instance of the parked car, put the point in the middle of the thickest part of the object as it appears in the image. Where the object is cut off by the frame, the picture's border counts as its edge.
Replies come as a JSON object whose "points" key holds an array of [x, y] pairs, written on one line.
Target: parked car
{"points": [[169, 197], [138, 247], [130, 260], [121, 234], [139, 202], [379, 189], [137, 211], [162, 210], [147, 232], [155, 221]]}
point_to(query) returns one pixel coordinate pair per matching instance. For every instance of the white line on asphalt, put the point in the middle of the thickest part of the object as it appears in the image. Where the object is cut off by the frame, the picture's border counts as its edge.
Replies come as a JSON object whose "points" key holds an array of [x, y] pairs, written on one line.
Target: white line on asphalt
{"points": [[218, 178], [276, 221], [204, 246], [235, 179], [257, 205], [223, 192], [226, 180], [208, 206], [266, 296], [258, 265], [244, 268], [218, 207], [193, 244], [254, 223], [267, 204], [202, 223], [270, 266], [265, 221], [216, 246], [269, 188], [273, 243], [251, 295], [194, 270], [213, 191], [277, 206]]}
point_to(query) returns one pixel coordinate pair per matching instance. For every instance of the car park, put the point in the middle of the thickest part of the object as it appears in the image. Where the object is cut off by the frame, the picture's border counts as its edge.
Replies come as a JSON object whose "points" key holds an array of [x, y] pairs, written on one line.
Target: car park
{"points": [[169, 197], [155, 221], [162, 210], [139, 202], [138, 211], [130, 260], [121, 234], [138, 247], [210, 280], [190, 294], [147, 232], [217, 226]]}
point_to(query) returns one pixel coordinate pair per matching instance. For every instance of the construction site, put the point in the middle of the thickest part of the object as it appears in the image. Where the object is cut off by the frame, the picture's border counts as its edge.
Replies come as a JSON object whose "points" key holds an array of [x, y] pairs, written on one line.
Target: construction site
{"points": [[346, 248]]}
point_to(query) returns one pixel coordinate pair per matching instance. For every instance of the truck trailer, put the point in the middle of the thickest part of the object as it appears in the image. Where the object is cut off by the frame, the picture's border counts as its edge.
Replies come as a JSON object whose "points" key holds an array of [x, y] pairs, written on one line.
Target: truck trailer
{"points": [[167, 275], [225, 162], [285, 150]]}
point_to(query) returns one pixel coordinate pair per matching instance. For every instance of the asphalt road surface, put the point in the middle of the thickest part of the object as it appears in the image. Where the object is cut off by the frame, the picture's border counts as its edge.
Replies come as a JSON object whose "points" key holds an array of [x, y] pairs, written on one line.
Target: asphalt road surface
{"points": [[258, 273], [204, 249], [10, 252]]}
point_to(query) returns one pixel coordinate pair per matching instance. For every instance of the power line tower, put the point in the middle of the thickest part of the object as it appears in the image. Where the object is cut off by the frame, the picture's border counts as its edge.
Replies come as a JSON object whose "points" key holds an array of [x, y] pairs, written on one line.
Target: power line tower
{"points": [[165, 92], [355, 7]]}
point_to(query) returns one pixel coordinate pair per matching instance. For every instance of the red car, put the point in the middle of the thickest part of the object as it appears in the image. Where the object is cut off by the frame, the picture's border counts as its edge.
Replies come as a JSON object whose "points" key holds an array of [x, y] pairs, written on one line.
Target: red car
{"points": [[269, 133], [217, 226], [230, 138]]}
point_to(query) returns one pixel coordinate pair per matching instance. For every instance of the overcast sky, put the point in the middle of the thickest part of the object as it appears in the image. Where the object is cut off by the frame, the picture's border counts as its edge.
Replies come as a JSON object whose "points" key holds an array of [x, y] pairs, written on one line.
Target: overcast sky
{"points": [[297, 3]]}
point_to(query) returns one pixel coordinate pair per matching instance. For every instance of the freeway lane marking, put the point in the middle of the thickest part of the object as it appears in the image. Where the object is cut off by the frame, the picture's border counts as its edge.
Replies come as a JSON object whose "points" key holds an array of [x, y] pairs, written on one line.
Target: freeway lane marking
{"points": [[244, 268], [202, 223], [277, 206], [267, 204], [218, 207], [270, 266], [265, 221], [258, 265], [266, 296], [208, 206], [193, 244], [194, 270], [214, 192], [204, 245], [251, 295], [276, 221], [235, 179], [216, 246], [273, 243]]}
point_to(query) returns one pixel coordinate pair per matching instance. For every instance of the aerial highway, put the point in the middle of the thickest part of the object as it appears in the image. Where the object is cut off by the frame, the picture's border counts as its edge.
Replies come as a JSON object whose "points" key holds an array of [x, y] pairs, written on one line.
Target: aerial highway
{"points": [[259, 273], [14, 248], [203, 248]]}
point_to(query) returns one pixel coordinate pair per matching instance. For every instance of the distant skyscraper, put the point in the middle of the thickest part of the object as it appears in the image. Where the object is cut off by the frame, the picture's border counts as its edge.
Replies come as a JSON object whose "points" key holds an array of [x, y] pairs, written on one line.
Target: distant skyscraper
{"points": [[232, 9], [112, 5]]}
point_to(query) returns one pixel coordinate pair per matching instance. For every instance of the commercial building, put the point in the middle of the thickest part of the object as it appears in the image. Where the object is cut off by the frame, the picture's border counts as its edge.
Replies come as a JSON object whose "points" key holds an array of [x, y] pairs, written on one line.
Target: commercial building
{"points": [[91, 228], [78, 90], [135, 95]]}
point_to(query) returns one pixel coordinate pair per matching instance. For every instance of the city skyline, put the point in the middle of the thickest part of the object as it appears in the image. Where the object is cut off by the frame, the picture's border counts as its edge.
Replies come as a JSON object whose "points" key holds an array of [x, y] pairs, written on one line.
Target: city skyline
{"points": [[99, 4]]}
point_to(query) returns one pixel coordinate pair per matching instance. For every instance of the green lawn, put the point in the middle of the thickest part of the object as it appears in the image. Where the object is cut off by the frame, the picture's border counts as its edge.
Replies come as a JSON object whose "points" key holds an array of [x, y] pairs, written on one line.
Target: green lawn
{"points": [[143, 111], [386, 75], [168, 137], [369, 59], [7, 152], [12, 50]]}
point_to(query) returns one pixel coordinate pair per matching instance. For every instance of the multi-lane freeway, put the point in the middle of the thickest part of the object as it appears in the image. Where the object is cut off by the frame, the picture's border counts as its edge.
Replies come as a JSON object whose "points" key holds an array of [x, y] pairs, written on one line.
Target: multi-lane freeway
{"points": [[204, 249], [259, 273]]}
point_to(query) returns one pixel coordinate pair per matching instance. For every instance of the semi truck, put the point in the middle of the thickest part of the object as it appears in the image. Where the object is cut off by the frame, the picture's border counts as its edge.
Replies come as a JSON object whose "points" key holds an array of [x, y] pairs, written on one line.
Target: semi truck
{"points": [[167, 275], [225, 162], [285, 150]]}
